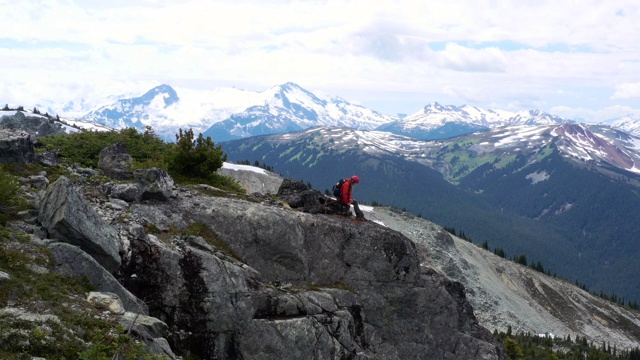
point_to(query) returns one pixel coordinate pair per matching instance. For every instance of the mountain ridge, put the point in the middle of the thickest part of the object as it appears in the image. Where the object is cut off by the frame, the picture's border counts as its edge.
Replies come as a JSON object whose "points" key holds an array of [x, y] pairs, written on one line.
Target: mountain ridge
{"points": [[295, 108]]}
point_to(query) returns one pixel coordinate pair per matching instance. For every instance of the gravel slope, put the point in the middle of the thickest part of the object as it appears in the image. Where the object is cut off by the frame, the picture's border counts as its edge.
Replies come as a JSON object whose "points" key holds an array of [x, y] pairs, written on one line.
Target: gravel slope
{"points": [[504, 293]]}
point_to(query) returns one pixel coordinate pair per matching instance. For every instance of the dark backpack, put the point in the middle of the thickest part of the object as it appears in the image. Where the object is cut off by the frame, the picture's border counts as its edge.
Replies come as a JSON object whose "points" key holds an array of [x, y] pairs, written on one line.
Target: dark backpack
{"points": [[337, 189]]}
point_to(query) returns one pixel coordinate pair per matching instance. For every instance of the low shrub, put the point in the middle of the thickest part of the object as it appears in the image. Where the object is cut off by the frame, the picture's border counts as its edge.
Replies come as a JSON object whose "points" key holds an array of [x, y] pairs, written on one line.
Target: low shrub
{"points": [[10, 200]]}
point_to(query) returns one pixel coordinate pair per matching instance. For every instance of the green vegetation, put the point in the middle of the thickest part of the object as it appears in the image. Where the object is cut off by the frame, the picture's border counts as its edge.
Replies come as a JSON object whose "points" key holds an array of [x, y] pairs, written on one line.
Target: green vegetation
{"points": [[195, 158], [532, 347], [71, 329], [68, 329], [190, 161], [84, 147], [10, 200]]}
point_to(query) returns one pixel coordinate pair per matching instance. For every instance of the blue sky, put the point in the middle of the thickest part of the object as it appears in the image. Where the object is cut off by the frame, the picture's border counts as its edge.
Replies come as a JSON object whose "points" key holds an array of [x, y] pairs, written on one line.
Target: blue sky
{"points": [[576, 59]]}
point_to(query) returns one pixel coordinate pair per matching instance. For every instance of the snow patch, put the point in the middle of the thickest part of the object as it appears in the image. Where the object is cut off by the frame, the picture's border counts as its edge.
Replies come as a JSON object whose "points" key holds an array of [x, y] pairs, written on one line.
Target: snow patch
{"points": [[238, 167], [537, 177]]}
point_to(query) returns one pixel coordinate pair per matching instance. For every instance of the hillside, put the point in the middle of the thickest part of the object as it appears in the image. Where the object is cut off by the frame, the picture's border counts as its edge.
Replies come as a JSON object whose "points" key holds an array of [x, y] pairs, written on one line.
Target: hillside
{"points": [[503, 293], [202, 272], [560, 194], [211, 261], [506, 294]]}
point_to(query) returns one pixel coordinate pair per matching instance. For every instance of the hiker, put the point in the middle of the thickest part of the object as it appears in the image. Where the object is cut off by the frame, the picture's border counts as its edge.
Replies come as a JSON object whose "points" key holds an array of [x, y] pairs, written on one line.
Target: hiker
{"points": [[345, 197]]}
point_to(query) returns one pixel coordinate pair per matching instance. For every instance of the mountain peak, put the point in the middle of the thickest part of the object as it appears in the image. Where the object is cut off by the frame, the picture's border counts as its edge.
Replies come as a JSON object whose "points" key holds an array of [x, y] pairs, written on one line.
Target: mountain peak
{"points": [[170, 95], [291, 86]]}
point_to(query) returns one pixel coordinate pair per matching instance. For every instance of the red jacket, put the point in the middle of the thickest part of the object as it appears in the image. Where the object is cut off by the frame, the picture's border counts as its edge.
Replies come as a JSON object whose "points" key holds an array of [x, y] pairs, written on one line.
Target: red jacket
{"points": [[346, 191]]}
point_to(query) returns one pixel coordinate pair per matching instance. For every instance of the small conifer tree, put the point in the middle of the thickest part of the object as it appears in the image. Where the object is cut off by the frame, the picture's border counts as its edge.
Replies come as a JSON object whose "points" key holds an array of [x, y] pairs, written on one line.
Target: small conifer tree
{"points": [[199, 158]]}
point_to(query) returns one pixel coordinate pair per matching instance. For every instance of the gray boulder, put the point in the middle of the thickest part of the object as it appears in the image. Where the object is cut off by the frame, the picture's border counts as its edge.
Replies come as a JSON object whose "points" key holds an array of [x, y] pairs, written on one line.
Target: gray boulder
{"points": [[116, 162], [253, 180], [106, 301], [72, 261], [127, 192], [49, 158], [156, 328], [299, 196], [16, 146], [68, 218], [154, 184], [39, 182]]}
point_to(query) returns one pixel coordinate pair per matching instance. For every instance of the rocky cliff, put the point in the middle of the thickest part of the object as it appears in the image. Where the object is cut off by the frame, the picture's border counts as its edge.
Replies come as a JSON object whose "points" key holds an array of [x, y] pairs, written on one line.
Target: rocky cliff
{"points": [[250, 277]]}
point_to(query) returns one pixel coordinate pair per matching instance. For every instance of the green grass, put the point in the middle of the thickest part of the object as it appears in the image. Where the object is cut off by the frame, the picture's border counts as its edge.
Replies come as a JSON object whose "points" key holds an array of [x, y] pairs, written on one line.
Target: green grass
{"points": [[11, 201], [71, 328]]}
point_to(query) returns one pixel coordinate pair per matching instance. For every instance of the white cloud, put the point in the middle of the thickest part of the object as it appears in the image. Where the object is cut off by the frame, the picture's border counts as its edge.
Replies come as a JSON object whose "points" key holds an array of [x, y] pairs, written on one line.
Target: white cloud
{"points": [[458, 50], [461, 58], [627, 91], [605, 115]]}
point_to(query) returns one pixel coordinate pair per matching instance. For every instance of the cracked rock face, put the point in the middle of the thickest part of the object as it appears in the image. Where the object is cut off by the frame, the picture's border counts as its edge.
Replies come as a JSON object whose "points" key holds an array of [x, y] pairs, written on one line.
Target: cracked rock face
{"points": [[68, 218], [386, 304]]}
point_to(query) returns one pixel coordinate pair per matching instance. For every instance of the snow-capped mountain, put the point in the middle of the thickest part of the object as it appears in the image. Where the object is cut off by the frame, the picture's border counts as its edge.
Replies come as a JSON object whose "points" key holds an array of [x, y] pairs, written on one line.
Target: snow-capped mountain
{"points": [[628, 124], [596, 144], [435, 121], [288, 108], [165, 111], [234, 113], [137, 112]]}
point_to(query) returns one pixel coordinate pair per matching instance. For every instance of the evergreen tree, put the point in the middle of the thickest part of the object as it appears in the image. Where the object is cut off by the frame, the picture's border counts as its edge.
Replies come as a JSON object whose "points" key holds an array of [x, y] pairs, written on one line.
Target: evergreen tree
{"points": [[512, 349], [147, 130], [199, 158]]}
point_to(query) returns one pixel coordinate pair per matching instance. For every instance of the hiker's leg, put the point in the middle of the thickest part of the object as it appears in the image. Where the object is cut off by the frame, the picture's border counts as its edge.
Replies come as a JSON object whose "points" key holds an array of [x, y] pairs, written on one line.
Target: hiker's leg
{"points": [[356, 209]]}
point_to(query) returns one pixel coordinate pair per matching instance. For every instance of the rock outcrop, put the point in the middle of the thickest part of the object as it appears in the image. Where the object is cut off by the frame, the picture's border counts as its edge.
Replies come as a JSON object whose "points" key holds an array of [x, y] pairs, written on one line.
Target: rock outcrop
{"points": [[256, 181], [73, 261], [16, 146], [68, 218], [374, 299], [228, 278], [300, 196], [36, 126], [115, 162]]}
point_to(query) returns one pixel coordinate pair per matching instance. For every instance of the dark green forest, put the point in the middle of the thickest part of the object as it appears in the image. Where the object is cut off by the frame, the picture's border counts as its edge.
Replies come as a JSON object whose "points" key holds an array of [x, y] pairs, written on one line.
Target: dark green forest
{"points": [[523, 346]]}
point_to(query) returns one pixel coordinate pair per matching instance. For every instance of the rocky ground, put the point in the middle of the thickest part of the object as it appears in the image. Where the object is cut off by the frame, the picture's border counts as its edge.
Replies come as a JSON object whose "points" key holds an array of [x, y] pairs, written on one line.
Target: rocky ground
{"points": [[222, 274]]}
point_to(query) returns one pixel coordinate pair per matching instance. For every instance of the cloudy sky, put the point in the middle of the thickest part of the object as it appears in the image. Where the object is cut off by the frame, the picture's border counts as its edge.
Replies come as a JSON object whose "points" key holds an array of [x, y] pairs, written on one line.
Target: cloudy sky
{"points": [[573, 58]]}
